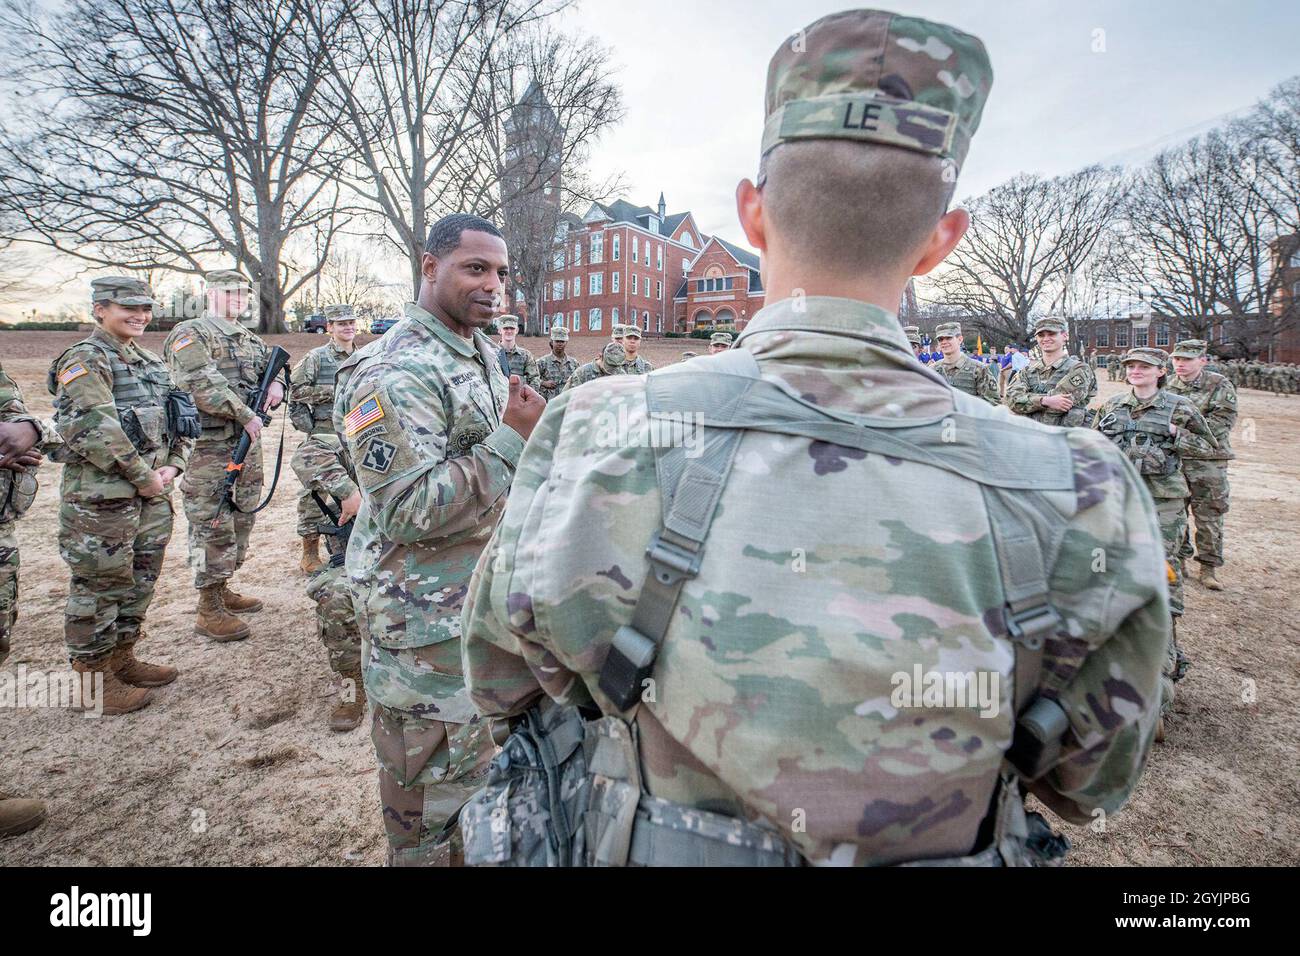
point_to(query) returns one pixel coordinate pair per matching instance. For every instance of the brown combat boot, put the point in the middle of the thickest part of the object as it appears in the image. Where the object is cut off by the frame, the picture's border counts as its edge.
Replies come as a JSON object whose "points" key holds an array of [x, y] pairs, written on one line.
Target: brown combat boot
{"points": [[214, 621], [137, 673], [311, 562], [18, 816], [1208, 580], [347, 715], [116, 698], [237, 602], [1160, 730]]}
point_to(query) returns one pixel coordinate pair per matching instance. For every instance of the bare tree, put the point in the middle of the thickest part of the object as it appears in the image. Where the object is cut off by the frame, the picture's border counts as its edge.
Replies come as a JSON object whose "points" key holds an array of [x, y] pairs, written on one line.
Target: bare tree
{"points": [[349, 277], [173, 135], [1029, 239]]}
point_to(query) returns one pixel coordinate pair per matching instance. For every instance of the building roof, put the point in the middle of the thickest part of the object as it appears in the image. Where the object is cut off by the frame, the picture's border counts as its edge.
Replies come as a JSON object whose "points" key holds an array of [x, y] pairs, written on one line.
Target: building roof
{"points": [[743, 256]]}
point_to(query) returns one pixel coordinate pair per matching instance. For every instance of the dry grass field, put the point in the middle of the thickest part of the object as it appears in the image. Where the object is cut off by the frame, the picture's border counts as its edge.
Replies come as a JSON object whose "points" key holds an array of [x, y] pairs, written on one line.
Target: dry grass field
{"points": [[232, 764]]}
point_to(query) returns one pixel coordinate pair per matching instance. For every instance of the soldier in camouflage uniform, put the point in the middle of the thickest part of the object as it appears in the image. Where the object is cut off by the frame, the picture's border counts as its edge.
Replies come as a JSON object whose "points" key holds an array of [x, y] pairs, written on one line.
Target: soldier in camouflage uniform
{"points": [[1056, 387], [719, 342], [963, 372], [555, 368], [1155, 428], [612, 361], [432, 430], [1206, 473], [24, 440], [321, 467], [311, 409], [221, 364], [121, 454], [518, 359], [766, 732], [913, 335], [634, 364]]}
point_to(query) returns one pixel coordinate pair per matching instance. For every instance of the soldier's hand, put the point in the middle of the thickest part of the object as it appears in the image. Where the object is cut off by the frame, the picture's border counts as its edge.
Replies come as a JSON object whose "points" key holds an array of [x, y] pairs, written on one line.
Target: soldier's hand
{"points": [[523, 408], [168, 474], [1058, 403], [253, 426], [349, 507], [16, 438], [23, 461], [274, 396], [155, 486]]}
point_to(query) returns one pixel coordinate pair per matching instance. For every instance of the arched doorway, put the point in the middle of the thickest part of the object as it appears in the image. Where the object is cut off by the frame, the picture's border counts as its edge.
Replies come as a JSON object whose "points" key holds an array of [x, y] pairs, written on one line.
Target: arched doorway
{"points": [[725, 317], [702, 317]]}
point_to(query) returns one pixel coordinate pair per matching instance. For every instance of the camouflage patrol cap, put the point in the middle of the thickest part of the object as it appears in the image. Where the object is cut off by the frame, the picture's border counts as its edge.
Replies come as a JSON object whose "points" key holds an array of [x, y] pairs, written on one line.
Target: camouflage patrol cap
{"points": [[613, 355], [1150, 356], [948, 328], [508, 322], [720, 338], [1050, 323], [1191, 348], [632, 330], [689, 355], [123, 290], [559, 333], [339, 313], [226, 279], [617, 331], [913, 334], [877, 77]]}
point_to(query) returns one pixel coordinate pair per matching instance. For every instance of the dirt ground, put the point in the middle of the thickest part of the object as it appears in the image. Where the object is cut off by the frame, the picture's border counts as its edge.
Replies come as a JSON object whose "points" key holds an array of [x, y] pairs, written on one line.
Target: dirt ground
{"points": [[233, 764]]}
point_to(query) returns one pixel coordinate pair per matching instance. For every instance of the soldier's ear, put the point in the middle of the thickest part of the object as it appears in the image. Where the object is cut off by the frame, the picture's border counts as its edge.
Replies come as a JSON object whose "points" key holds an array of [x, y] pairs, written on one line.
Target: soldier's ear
{"points": [[749, 207], [429, 267], [943, 239]]}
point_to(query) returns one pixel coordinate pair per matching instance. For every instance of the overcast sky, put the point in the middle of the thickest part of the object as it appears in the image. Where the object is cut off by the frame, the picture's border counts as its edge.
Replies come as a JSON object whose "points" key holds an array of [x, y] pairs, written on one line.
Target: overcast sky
{"points": [[693, 72]]}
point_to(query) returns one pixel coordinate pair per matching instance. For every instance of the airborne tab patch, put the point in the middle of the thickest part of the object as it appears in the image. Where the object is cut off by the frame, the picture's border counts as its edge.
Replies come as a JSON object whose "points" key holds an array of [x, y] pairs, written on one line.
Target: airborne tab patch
{"points": [[366, 413], [72, 373]]}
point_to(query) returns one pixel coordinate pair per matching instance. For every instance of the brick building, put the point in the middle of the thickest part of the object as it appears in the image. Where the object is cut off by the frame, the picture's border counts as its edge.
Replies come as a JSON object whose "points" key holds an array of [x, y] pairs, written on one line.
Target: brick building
{"points": [[619, 263], [721, 287]]}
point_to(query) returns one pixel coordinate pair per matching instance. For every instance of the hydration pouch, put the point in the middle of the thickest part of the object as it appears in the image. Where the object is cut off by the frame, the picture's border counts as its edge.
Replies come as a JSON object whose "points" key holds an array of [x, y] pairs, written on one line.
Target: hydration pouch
{"points": [[301, 418], [182, 415], [146, 427], [17, 492]]}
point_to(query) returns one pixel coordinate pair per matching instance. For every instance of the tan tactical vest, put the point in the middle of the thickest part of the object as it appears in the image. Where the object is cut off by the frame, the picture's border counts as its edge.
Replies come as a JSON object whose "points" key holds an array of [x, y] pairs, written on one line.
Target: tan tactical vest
{"points": [[1041, 381], [1147, 443], [240, 370]]}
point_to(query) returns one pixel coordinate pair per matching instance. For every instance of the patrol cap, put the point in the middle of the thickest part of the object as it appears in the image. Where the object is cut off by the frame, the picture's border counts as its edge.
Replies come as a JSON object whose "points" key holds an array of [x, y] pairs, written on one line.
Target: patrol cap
{"points": [[124, 290], [689, 355], [508, 322], [227, 279], [720, 338], [877, 77], [617, 331], [613, 355], [1150, 356], [913, 334], [1191, 348], [1050, 323], [948, 328], [339, 313], [559, 333], [632, 330]]}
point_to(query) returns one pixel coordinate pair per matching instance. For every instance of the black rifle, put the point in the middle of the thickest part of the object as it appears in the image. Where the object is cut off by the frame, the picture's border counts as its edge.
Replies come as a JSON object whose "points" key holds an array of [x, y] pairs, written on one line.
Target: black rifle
{"points": [[336, 535], [277, 362]]}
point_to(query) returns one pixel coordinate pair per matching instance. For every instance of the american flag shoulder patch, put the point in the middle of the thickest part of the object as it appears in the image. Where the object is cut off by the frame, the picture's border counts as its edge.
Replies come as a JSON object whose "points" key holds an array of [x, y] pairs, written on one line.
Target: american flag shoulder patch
{"points": [[366, 413], [72, 373], [181, 342]]}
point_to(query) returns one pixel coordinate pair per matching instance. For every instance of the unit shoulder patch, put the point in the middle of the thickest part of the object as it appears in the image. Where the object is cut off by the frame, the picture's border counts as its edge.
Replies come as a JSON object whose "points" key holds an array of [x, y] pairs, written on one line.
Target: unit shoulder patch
{"points": [[379, 456]]}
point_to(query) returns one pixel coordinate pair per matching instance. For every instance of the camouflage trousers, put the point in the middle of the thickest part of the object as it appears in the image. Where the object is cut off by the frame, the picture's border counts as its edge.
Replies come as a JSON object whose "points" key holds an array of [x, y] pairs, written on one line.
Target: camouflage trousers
{"points": [[1172, 514], [1208, 505], [427, 770], [216, 553], [8, 585], [114, 550], [336, 620], [309, 514]]}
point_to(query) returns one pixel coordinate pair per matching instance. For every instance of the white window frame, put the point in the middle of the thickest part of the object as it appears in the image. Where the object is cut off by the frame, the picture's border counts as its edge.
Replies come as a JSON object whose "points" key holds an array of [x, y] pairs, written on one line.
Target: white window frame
{"points": [[636, 250], [615, 250], [613, 281], [596, 283], [659, 257], [577, 320], [577, 252], [635, 279], [557, 290], [597, 248], [593, 320], [577, 286], [613, 316], [659, 289], [645, 321]]}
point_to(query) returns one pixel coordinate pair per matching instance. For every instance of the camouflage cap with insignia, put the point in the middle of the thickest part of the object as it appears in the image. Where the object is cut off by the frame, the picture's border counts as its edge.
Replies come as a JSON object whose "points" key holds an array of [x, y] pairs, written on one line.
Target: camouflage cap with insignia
{"points": [[559, 333], [1150, 356], [339, 313], [878, 77], [913, 334], [613, 355], [632, 330], [124, 290], [720, 338], [1191, 348], [948, 329], [617, 331], [508, 322], [1049, 323], [226, 279]]}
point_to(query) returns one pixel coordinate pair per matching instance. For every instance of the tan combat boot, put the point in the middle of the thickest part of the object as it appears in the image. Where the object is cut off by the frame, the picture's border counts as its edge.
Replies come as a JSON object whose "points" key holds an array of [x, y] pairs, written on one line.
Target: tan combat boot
{"points": [[1160, 730], [237, 602], [215, 621], [18, 816], [116, 698], [311, 562], [137, 673], [347, 715], [1208, 580]]}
